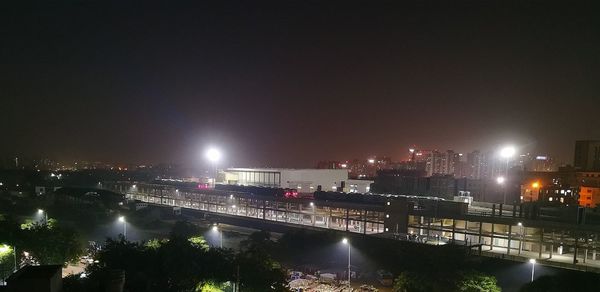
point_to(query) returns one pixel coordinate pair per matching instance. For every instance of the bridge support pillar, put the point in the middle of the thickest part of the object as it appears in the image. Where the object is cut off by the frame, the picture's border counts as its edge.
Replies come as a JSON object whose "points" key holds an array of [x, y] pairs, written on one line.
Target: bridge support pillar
{"points": [[492, 238], [509, 238], [541, 243], [347, 218]]}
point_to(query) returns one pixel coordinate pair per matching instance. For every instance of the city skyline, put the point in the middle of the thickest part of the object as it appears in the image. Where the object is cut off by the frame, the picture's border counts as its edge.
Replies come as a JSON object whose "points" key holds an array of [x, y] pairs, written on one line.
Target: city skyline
{"points": [[299, 145]]}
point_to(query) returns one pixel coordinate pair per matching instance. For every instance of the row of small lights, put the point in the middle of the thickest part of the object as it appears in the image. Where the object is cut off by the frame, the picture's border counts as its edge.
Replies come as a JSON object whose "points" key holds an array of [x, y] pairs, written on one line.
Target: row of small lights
{"points": [[345, 240]]}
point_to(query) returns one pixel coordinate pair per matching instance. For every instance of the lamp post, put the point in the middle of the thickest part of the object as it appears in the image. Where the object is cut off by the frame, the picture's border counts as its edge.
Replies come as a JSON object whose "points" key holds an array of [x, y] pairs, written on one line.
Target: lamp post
{"points": [[122, 220], [215, 228], [41, 211], [507, 152], [500, 180], [314, 218], [213, 155], [346, 242], [522, 236], [532, 262], [535, 187]]}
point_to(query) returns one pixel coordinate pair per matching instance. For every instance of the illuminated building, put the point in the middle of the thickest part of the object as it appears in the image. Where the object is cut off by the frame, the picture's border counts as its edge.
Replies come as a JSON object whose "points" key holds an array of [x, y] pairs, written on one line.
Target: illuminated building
{"points": [[303, 180]]}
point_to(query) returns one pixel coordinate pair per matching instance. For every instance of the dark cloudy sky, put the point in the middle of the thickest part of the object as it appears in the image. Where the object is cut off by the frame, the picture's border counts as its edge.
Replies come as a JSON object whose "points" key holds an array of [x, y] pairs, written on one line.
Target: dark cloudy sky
{"points": [[287, 83]]}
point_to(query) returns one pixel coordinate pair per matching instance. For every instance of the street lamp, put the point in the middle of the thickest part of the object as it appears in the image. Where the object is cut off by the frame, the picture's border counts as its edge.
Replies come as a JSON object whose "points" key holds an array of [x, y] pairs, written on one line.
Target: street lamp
{"points": [[40, 212], [535, 187], [213, 155], [122, 220], [532, 262], [215, 228], [346, 242], [507, 152], [522, 235], [500, 180]]}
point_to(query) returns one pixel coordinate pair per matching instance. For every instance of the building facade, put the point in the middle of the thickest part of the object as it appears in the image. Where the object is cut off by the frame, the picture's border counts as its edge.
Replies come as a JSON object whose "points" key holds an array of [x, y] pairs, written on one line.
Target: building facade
{"points": [[587, 155], [303, 180]]}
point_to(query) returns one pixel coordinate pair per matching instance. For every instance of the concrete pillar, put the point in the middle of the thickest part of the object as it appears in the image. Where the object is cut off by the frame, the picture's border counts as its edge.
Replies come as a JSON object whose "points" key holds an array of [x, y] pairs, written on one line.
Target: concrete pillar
{"points": [[509, 238], [364, 212], [428, 227], [552, 245], [454, 230], [492, 238], [480, 232], [575, 252], [541, 243], [287, 208], [347, 218]]}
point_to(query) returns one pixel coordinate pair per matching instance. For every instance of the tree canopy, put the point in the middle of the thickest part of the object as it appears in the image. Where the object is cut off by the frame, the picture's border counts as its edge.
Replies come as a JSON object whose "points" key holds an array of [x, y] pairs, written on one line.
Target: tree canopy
{"points": [[183, 263]]}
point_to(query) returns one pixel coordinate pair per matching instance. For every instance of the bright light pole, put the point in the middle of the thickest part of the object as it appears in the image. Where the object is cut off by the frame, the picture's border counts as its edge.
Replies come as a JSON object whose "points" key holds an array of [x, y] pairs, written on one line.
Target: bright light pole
{"points": [[215, 228], [506, 153], [213, 155], [532, 262], [122, 220], [345, 241], [535, 186], [521, 235], [500, 180], [41, 211], [314, 218]]}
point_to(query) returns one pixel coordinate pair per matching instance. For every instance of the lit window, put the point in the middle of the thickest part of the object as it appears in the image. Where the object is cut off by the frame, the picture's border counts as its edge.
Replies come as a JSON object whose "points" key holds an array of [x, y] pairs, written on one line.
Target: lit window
{"points": [[550, 199], [387, 229]]}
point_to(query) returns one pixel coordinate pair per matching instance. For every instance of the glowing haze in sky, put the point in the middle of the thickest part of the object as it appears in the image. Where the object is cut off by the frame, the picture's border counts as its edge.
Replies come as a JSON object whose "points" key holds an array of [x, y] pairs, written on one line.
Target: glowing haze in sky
{"points": [[287, 83]]}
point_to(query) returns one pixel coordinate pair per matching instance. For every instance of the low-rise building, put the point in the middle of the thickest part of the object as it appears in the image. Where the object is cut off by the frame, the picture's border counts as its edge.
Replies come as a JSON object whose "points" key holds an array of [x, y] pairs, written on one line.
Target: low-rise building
{"points": [[303, 180], [589, 196]]}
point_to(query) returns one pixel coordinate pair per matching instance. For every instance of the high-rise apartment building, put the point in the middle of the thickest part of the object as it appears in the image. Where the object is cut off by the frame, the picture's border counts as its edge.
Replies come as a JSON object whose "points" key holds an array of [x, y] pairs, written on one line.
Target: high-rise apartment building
{"points": [[587, 155]]}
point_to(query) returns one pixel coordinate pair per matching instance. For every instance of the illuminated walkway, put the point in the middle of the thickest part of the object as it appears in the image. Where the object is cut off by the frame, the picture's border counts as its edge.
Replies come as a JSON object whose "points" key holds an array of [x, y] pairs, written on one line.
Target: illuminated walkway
{"points": [[424, 220]]}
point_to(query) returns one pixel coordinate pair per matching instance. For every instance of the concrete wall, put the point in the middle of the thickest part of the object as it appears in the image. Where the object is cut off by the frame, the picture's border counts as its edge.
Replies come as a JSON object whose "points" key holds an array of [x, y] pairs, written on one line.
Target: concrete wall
{"points": [[304, 180]]}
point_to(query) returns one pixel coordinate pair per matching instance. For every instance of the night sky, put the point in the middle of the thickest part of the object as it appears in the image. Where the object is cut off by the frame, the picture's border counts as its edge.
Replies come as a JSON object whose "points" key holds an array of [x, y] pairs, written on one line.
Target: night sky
{"points": [[287, 83]]}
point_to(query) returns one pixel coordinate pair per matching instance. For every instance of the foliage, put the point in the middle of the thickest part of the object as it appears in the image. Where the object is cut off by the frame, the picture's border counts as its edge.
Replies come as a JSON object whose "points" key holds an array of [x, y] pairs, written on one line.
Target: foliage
{"points": [[573, 281], [46, 243], [466, 282], [199, 242], [184, 230], [414, 282], [183, 264], [28, 224], [258, 270], [213, 287], [477, 282], [155, 243], [58, 245], [6, 260]]}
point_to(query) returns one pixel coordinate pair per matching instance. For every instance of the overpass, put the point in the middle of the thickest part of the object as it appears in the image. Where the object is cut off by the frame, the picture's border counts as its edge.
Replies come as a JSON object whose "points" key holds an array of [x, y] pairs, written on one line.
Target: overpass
{"points": [[517, 234]]}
